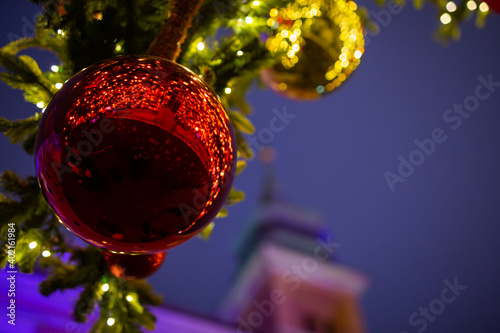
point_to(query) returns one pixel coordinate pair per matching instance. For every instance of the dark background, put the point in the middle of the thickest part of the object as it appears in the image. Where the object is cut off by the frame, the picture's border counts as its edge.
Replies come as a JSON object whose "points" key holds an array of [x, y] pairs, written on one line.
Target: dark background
{"points": [[441, 223]]}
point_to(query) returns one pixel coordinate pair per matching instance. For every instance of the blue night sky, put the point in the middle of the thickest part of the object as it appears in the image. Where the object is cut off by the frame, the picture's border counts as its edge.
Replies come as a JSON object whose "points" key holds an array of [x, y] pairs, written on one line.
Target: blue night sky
{"points": [[441, 223]]}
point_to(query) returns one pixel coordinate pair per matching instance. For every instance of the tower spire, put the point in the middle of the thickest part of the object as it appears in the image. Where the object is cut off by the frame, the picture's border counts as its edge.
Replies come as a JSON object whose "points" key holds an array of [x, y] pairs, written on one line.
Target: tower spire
{"points": [[288, 279], [270, 192]]}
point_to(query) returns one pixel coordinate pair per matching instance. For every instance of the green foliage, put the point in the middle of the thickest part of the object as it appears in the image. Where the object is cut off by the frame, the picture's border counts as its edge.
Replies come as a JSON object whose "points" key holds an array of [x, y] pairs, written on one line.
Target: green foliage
{"points": [[234, 197], [23, 130], [241, 123], [444, 33], [23, 73], [240, 166], [207, 231]]}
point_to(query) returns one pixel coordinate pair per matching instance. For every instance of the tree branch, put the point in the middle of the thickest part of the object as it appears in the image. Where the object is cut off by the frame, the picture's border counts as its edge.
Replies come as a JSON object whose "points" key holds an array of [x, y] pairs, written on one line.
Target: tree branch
{"points": [[174, 29]]}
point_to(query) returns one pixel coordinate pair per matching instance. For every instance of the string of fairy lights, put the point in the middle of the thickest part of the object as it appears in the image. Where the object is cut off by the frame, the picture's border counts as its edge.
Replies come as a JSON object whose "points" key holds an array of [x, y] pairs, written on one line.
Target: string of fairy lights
{"points": [[471, 5], [298, 17]]}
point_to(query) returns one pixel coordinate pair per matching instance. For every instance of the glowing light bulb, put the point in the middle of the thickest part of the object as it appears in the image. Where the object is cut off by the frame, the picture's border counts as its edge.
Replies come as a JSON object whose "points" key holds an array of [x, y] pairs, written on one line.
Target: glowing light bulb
{"points": [[46, 253], [58, 85], [249, 19], [32, 245], [200, 46], [40, 105], [54, 68], [484, 7], [472, 5], [357, 54], [239, 53], [111, 321], [129, 298], [256, 3], [451, 7], [227, 90], [105, 287], [445, 18]]}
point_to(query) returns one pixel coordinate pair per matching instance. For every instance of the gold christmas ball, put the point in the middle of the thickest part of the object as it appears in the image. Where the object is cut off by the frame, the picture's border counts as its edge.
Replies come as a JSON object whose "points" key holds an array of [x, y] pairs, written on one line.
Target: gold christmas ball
{"points": [[320, 43]]}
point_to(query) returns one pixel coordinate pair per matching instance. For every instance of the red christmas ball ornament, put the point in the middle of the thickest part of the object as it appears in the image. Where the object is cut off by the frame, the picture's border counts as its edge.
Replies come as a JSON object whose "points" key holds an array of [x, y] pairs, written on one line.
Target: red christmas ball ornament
{"points": [[494, 4], [135, 154], [131, 267]]}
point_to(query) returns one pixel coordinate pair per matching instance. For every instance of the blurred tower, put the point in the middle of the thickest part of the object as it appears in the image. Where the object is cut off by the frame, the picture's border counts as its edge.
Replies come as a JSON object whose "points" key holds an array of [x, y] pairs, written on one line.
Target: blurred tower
{"points": [[289, 280]]}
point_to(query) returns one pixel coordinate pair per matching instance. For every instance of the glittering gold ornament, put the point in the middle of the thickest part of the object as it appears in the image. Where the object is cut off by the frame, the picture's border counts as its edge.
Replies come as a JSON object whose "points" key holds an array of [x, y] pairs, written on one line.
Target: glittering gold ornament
{"points": [[320, 43]]}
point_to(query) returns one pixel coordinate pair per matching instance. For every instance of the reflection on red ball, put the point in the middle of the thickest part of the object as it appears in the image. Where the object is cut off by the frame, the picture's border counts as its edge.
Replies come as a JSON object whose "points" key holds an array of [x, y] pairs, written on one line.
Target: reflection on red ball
{"points": [[131, 267], [135, 154]]}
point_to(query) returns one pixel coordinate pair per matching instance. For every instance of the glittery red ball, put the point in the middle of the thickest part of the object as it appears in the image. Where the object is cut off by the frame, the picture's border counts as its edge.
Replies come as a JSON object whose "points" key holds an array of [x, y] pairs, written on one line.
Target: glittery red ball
{"points": [[135, 154], [130, 267]]}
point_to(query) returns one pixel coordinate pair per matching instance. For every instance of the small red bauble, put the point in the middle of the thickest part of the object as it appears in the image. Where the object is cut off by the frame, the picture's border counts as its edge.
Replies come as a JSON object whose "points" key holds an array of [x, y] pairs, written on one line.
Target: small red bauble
{"points": [[131, 267], [135, 154]]}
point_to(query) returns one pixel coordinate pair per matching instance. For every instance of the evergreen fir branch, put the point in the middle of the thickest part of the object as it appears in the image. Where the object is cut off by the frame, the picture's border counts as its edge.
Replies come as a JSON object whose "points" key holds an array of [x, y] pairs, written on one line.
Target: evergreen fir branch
{"points": [[101, 323], [234, 197], [145, 292], [207, 231], [147, 319], [25, 207], [47, 39], [24, 73], [26, 256], [240, 166], [19, 130], [35, 95], [16, 46], [144, 19], [244, 150], [28, 143], [86, 302], [222, 213], [128, 316], [241, 122], [62, 276], [138, 313], [11, 183], [237, 99], [212, 15], [15, 81], [227, 65], [86, 267]]}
